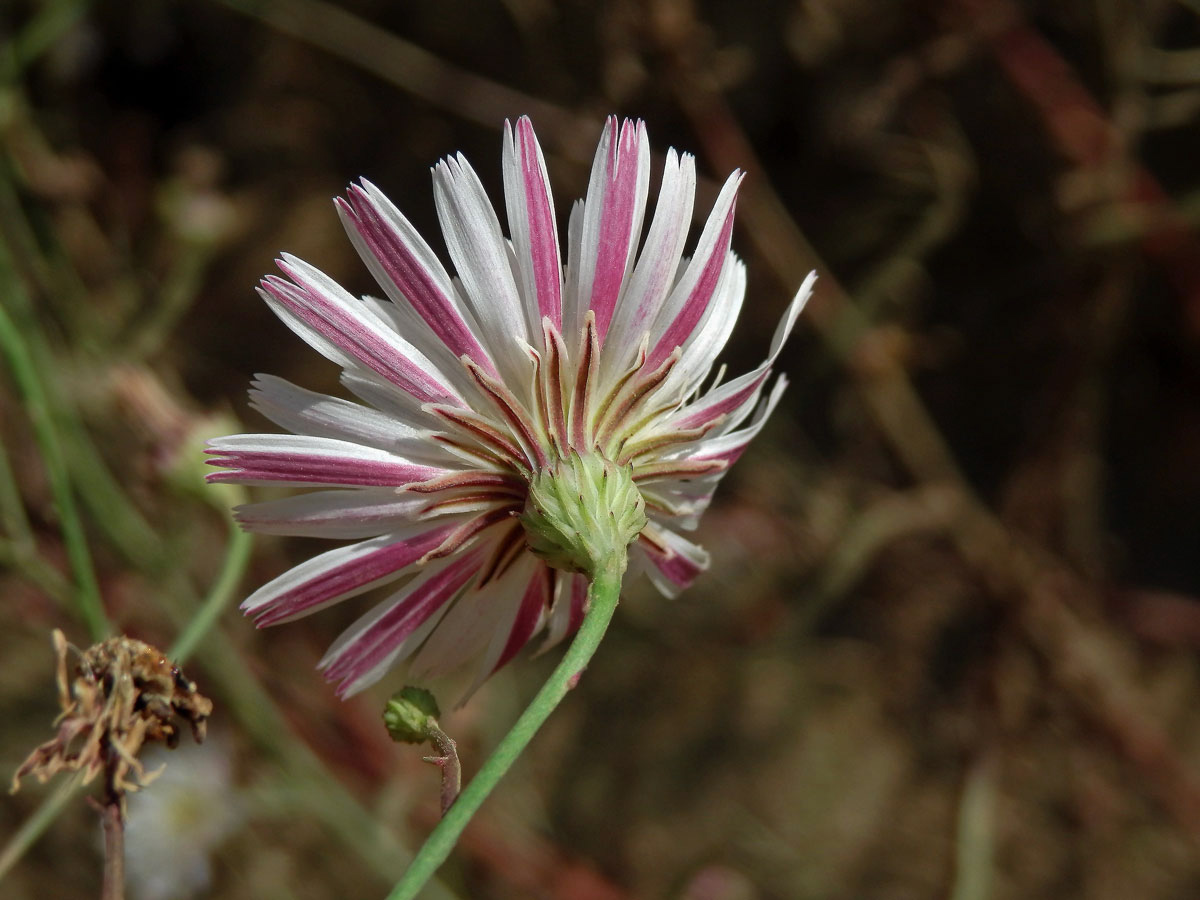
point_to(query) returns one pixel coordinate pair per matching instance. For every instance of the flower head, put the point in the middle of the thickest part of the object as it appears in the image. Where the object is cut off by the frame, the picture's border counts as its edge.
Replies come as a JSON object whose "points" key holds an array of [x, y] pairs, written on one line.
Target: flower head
{"points": [[477, 387]]}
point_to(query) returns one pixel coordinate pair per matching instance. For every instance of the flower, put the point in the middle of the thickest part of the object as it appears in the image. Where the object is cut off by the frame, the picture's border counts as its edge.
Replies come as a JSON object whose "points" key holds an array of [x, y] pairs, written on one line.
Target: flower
{"points": [[124, 694], [472, 386], [175, 827]]}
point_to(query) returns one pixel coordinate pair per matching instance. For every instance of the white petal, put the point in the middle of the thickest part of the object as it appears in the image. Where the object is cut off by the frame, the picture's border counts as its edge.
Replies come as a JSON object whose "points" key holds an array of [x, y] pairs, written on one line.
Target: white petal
{"points": [[344, 572], [339, 514], [307, 412], [658, 264], [572, 314], [532, 224], [304, 460], [344, 330], [612, 222], [566, 613], [409, 271], [478, 249], [392, 630], [693, 293]]}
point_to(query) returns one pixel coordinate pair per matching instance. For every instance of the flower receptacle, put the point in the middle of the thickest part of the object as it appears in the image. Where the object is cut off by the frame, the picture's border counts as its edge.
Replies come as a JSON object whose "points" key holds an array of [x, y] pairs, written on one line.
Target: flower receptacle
{"points": [[582, 512]]}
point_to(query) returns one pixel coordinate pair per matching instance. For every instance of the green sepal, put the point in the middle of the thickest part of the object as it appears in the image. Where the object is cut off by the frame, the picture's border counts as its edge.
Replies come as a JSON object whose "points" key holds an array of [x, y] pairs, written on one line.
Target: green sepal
{"points": [[581, 512]]}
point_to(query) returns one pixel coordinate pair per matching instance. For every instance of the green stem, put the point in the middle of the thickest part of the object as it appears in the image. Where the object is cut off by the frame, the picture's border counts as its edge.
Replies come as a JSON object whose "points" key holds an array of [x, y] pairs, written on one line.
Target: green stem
{"points": [[35, 826], [87, 596], [237, 556], [603, 594]]}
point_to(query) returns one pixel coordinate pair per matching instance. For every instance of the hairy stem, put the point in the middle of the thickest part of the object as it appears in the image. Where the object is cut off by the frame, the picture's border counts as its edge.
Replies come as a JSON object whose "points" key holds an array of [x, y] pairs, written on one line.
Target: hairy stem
{"points": [[603, 594], [449, 763]]}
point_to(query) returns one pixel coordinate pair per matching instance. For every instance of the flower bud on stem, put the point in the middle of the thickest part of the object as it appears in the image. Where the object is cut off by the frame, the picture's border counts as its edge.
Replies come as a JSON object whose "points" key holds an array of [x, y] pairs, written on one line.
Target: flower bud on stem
{"points": [[411, 716], [603, 594]]}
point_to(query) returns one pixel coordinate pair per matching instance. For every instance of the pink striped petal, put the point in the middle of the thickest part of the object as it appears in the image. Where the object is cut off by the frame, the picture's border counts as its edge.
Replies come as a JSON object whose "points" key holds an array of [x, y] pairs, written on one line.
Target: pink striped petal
{"points": [[675, 562], [735, 398], [369, 647], [728, 448], [612, 219], [531, 221], [341, 328], [658, 263], [691, 297], [539, 595], [720, 402], [481, 257], [302, 411], [338, 574], [567, 611], [474, 629], [407, 268], [339, 513], [310, 461]]}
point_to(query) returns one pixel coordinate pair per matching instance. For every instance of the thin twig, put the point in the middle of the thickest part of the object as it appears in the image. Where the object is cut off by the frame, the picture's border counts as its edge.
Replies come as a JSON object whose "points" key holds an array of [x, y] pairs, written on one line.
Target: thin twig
{"points": [[114, 847], [449, 764]]}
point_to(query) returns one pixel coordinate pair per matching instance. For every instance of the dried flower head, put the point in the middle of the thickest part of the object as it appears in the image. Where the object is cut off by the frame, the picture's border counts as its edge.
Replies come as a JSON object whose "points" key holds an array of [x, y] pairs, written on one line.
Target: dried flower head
{"points": [[124, 694], [486, 393]]}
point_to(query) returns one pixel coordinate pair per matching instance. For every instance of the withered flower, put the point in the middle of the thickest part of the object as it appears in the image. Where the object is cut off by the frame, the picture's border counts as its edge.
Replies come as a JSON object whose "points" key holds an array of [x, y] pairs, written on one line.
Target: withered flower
{"points": [[125, 693]]}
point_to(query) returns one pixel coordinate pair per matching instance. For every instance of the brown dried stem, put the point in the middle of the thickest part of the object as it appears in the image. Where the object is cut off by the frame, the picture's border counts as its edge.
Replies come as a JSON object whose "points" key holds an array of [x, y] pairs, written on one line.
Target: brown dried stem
{"points": [[113, 818], [448, 762]]}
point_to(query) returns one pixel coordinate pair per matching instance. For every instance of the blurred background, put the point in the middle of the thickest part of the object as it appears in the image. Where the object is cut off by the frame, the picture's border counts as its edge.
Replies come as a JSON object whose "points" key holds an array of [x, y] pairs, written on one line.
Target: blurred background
{"points": [[948, 644]]}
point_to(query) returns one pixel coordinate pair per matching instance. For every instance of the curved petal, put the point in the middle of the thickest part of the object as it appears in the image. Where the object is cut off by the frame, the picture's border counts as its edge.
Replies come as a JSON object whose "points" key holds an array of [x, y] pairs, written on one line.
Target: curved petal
{"points": [[480, 255], [302, 411], [343, 330], [342, 573], [532, 224], [391, 631], [728, 448], [408, 270], [674, 561], [308, 461], [658, 263], [735, 398], [692, 294], [611, 223]]}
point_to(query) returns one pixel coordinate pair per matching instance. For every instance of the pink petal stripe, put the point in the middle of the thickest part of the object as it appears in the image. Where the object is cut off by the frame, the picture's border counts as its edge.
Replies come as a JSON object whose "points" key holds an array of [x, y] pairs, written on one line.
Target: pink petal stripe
{"points": [[729, 455], [373, 645], [708, 409], [701, 295], [658, 262], [542, 230], [537, 598], [394, 259], [675, 567], [353, 576], [314, 469], [620, 205], [353, 335]]}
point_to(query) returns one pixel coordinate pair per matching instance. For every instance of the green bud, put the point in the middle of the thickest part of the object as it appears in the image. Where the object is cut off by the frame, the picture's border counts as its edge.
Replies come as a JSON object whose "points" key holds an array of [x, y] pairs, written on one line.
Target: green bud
{"points": [[409, 715], [581, 512]]}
